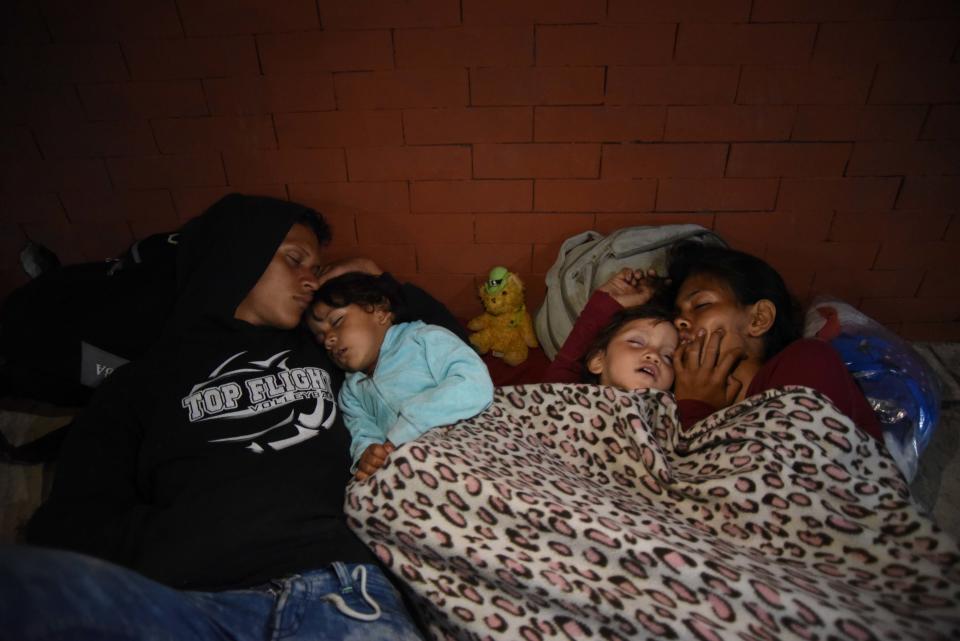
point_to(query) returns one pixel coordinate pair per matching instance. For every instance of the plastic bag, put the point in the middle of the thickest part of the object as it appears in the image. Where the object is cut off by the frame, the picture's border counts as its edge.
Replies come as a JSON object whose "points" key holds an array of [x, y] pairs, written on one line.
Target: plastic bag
{"points": [[900, 386]]}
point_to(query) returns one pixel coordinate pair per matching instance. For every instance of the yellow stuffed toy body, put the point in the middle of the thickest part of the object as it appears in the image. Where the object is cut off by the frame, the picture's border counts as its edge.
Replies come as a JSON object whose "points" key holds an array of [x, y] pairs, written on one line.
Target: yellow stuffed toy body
{"points": [[505, 327]]}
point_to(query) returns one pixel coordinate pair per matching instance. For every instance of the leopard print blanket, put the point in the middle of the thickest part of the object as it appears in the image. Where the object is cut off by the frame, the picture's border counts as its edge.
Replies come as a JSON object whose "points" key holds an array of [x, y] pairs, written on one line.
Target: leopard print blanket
{"points": [[578, 511]]}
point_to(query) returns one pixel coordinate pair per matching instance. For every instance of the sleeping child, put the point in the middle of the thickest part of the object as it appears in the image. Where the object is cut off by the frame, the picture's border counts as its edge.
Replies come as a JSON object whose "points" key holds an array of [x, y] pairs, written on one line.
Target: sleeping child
{"points": [[635, 350], [403, 378], [620, 339]]}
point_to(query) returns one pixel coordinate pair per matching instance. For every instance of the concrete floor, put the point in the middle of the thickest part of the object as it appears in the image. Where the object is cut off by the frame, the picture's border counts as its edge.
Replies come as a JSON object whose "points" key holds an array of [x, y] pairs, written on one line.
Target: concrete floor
{"points": [[937, 484]]}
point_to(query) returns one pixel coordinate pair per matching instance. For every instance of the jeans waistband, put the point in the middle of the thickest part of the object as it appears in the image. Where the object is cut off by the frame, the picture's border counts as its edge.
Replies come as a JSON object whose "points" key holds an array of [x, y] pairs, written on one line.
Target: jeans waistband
{"points": [[349, 579]]}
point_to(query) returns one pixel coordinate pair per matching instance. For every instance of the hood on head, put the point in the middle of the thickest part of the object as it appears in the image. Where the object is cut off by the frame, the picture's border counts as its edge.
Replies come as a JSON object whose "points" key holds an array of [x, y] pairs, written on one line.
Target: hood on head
{"points": [[223, 252]]}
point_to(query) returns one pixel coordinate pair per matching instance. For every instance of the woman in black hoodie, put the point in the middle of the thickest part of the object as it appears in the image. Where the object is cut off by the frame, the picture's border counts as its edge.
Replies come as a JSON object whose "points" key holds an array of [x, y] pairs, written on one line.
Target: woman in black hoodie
{"points": [[214, 468]]}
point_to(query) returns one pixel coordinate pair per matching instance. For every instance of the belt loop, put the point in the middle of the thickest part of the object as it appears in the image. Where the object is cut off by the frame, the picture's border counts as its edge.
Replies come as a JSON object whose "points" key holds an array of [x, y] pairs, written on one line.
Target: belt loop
{"points": [[343, 576], [346, 582]]}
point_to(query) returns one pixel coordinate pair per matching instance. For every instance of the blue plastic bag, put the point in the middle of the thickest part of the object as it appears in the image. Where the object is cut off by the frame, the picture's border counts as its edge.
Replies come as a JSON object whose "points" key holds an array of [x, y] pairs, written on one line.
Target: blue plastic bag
{"points": [[900, 386]]}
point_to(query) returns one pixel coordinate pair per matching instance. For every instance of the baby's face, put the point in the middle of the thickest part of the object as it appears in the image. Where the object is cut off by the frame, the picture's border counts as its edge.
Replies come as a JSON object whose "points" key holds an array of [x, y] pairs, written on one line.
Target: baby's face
{"points": [[351, 335], [639, 356]]}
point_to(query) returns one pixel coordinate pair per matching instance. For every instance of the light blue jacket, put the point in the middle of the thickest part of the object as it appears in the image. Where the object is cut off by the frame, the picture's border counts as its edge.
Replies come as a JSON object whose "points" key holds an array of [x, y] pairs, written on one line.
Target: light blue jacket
{"points": [[425, 377]]}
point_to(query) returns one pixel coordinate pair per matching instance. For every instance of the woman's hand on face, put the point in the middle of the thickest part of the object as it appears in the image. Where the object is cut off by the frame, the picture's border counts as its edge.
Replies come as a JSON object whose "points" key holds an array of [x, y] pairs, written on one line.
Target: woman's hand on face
{"points": [[632, 287], [703, 370]]}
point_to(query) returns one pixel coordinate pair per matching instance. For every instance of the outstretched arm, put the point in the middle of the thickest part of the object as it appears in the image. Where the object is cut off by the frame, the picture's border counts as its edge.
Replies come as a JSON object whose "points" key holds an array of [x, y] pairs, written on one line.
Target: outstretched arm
{"points": [[346, 265], [567, 366]]}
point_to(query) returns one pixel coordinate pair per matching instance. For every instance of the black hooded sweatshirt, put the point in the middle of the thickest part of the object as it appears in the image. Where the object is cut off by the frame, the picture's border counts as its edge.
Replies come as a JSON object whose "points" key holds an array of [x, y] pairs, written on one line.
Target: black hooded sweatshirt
{"points": [[219, 460]]}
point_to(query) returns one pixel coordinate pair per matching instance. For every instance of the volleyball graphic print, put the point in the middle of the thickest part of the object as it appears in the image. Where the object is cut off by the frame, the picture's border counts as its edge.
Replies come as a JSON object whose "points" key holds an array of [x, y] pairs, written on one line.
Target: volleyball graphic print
{"points": [[296, 402]]}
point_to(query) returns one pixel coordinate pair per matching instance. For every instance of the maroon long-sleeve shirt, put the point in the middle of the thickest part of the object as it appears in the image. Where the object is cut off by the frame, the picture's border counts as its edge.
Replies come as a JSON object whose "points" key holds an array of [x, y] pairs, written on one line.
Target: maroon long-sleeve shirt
{"points": [[809, 362]]}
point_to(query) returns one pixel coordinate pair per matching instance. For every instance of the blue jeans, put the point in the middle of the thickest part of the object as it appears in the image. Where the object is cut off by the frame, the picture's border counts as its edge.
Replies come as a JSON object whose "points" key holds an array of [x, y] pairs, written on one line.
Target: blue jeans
{"points": [[53, 595]]}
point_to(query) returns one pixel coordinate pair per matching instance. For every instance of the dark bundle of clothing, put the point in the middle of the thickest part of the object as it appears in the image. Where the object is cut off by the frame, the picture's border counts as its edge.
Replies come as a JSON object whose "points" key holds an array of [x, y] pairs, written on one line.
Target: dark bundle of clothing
{"points": [[69, 328]]}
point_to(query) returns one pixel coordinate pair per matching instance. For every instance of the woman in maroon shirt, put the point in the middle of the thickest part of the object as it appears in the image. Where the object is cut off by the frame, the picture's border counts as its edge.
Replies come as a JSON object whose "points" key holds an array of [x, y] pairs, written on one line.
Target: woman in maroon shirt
{"points": [[739, 333]]}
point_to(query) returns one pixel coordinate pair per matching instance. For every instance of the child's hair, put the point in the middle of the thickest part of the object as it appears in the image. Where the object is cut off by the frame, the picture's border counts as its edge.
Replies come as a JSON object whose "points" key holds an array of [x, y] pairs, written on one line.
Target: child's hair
{"points": [[651, 311], [366, 290], [749, 278]]}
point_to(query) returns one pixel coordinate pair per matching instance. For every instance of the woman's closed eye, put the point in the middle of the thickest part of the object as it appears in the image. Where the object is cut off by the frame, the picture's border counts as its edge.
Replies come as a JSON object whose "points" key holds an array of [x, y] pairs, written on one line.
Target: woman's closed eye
{"points": [[667, 358]]}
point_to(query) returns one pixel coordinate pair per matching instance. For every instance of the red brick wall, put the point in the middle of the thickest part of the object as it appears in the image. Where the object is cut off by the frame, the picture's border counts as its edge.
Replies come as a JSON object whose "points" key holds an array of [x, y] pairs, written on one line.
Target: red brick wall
{"points": [[446, 136]]}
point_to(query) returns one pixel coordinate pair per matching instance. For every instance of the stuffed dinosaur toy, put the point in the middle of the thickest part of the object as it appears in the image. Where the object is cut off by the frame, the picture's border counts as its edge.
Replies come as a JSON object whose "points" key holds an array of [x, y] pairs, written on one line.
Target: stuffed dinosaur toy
{"points": [[505, 327]]}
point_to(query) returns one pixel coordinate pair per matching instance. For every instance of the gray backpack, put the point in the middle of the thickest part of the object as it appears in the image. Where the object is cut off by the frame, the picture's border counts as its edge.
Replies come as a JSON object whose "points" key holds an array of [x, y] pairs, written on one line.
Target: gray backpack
{"points": [[587, 260]]}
